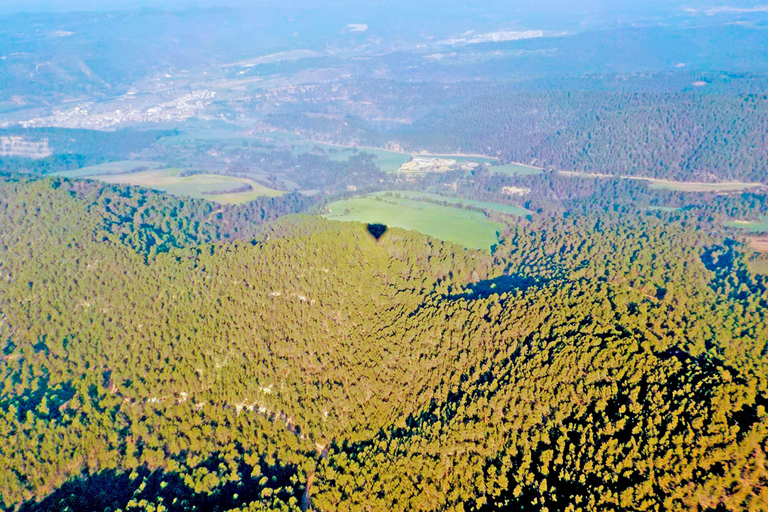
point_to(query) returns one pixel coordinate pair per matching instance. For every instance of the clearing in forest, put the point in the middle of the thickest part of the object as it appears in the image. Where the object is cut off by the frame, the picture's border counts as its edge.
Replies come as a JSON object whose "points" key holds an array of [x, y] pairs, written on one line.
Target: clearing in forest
{"points": [[468, 228], [214, 187], [458, 201], [120, 167], [694, 186], [757, 240], [679, 186], [387, 160], [515, 169], [751, 226]]}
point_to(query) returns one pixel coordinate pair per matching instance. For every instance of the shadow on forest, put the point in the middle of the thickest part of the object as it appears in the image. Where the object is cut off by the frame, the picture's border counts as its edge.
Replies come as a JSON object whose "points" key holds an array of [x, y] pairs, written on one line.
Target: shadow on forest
{"points": [[498, 285], [113, 490], [95, 492], [377, 230]]}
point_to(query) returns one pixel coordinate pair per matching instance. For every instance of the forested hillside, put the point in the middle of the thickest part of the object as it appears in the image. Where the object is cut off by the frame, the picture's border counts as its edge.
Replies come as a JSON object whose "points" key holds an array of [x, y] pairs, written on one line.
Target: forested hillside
{"points": [[170, 354], [146, 221], [73, 149], [687, 136]]}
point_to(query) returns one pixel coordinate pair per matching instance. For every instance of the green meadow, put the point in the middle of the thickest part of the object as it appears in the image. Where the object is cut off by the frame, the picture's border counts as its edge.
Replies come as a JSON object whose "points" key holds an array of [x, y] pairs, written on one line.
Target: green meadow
{"points": [[752, 227], [664, 209], [515, 169], [462, 159], [467, 228], [121, 167], [684, 186], [483, 205], [387, 160], [213, 187]]}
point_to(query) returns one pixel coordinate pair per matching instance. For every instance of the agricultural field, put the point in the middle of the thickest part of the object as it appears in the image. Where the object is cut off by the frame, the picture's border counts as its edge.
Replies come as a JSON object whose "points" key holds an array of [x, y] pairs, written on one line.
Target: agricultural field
{"points": [[461, 159], [467, 228], [121, 167], [759, 267], [483, 205], [387, 160], [214, 187], [692, 186], [664, 209], [757, 240], [751, 226], [678, 186], [202, 134], [515, 169]]}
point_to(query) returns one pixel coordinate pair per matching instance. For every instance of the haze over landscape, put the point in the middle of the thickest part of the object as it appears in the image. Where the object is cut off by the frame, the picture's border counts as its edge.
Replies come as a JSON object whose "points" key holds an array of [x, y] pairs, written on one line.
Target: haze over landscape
{"points": [[402, 256]]}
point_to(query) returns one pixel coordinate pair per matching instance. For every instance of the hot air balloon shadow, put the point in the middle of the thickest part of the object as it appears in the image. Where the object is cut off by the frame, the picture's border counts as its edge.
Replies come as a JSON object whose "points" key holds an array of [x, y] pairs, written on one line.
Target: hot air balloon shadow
{"points": [[377, 230]]}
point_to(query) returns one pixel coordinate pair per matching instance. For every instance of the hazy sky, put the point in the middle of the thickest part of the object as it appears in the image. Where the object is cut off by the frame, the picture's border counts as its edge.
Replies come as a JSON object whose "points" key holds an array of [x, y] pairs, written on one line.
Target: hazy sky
{"points": [[442, 8], [545, 5]]}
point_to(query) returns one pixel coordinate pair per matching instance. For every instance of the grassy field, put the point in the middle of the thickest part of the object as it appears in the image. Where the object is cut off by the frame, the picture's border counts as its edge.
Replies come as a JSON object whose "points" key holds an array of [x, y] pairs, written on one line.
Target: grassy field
{"points": [[759, 267], [679, 186], [171, 181], [757, 241], [483, 205], [465, 227], [665, 209], [388, 161], [691, 186], [515, 169], [751, 227], [462, 158], [121, 167], [211, 134]]}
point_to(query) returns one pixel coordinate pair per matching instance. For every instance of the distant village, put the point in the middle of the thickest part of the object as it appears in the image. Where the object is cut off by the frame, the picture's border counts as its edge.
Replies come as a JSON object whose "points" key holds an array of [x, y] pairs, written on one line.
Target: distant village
{"points": [[22, 147]]}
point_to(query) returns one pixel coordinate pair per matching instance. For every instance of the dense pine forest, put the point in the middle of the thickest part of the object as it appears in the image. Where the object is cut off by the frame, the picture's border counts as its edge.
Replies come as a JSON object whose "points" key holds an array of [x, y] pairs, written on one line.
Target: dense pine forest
{"points": [[687, 135], [366, 256], [74, 149], [164, 353]]}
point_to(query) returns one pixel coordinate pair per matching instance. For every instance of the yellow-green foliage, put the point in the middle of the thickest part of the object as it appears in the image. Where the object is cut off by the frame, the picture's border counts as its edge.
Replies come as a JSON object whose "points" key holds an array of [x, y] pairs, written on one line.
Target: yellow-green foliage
{"points": [[596, 362]]}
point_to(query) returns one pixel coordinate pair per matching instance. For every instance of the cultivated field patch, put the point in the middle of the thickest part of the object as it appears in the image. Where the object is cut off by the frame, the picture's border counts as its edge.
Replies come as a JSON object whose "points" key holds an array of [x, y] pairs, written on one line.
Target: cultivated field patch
{"points": [[692, 186], [214, 187], [664, 209], [757, 240], [468, 228], [679, 186], [461, 158], [515, 169], [120, 167], [760, 226], [458, 201], [387, 160]]}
